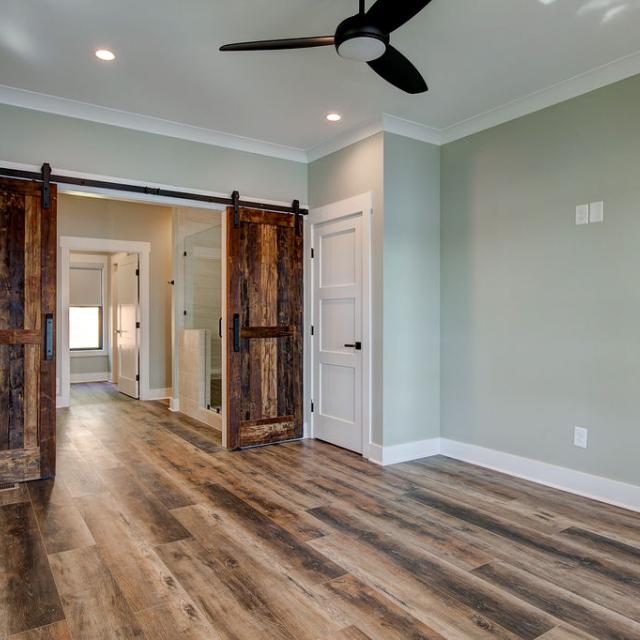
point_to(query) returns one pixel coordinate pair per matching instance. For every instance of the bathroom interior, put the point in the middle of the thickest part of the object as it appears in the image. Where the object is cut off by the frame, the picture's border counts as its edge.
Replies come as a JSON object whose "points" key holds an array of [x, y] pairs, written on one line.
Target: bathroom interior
{"points": [[199, 314]]}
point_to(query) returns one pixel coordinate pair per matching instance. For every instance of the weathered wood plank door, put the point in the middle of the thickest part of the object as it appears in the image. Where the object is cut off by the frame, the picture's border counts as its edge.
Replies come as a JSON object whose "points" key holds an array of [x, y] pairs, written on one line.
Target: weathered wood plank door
{"points": [[27, 332], [265, 316]]}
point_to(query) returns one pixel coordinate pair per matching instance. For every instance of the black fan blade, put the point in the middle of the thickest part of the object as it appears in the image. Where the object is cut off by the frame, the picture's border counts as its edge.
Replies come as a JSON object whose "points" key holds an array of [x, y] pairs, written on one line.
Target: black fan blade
{"points": [[277, 45], [399, 71], [389, 15]]}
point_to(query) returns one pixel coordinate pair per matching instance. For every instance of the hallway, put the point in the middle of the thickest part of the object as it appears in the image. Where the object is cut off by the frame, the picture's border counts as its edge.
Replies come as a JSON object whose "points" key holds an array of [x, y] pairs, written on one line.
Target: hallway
{"points": [[152, 531]]}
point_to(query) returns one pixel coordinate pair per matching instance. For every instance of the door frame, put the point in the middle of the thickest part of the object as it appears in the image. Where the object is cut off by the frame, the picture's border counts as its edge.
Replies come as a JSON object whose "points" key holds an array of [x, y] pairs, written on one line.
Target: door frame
{"points": [[331, 213], [66, 245]]}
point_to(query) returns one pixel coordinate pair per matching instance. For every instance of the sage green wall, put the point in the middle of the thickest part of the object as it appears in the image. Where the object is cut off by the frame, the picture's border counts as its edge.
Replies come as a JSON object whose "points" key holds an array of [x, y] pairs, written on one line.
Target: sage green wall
{"points": [[346, 173], [33, 137], [540, 317], [118, 220], [411, 342]]}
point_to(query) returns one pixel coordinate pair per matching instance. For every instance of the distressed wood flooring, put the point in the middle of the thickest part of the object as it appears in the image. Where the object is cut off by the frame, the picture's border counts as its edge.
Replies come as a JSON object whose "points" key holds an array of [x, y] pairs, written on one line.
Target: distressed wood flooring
{"points": [[151, 531]]}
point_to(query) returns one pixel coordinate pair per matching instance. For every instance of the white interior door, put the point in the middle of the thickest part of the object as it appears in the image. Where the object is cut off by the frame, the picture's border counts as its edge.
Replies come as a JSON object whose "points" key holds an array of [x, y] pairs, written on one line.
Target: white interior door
{"points": [[339, 271], [127, 329]]}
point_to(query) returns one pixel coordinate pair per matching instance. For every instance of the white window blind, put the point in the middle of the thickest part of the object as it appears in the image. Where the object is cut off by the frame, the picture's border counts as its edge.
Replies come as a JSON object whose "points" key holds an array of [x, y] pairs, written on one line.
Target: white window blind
{"points": [[85, 287]]}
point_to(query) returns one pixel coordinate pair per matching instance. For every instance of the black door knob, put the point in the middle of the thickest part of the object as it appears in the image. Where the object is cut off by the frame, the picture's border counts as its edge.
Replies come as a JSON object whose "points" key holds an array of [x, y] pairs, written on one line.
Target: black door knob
{"points": [[357, 346]]}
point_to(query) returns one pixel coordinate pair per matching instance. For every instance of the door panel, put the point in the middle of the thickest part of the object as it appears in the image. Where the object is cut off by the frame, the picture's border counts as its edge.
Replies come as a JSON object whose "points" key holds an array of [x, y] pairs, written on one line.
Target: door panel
{"points": [[127, 313], [337, 305], [265, 287], [27, 316]]}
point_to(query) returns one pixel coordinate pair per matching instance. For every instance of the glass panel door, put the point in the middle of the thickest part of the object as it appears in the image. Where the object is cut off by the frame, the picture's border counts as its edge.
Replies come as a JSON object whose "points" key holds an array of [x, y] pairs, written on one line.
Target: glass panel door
{"points": [[203, 304]]}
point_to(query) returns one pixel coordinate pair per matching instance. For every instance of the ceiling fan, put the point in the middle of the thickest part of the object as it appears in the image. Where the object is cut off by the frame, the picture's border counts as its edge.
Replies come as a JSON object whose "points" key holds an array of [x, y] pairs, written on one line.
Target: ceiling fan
{"points": [[364, 37]]}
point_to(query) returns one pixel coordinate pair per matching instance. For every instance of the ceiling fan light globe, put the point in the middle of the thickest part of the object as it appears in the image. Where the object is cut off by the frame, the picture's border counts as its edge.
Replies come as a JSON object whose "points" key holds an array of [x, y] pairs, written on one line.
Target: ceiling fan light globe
{"points": [[362, 48]]}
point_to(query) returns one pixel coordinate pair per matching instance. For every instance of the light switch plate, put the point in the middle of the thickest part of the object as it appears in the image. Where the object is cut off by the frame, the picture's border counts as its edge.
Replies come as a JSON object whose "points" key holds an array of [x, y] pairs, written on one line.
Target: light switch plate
{"points": [[596, 212], [580, 437], [582, 214]]}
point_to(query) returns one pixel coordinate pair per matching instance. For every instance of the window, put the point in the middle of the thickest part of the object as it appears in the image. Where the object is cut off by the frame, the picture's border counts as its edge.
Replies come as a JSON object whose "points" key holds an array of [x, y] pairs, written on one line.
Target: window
{"points": [[86, 308], [85, 328]]}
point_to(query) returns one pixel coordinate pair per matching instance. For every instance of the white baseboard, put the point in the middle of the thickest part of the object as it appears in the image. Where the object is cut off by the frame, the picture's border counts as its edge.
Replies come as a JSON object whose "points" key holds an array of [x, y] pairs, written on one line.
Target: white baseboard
{"points": [[174, 405], [100, 376], [612, 492], [62, 402], [403, 452], [159, 394]]}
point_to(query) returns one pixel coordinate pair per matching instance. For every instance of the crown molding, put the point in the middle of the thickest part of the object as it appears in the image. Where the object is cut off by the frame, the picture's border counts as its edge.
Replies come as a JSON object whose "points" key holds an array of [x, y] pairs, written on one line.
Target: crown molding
{"points": [[346, 139], [409, 129], [597, 78], [149, 124], [387, 123], [581, 84]]}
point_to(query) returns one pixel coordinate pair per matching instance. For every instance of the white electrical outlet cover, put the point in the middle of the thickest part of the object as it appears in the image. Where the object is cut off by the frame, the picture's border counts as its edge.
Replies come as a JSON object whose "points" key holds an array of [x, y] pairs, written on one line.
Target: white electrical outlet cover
{"points": [[580, 437], [582, 214], [596, 212]]}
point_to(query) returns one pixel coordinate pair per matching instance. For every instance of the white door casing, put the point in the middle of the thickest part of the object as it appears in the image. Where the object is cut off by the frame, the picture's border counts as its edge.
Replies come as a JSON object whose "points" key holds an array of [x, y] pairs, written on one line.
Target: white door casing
{"points": [[339, 235], [127, 320]]}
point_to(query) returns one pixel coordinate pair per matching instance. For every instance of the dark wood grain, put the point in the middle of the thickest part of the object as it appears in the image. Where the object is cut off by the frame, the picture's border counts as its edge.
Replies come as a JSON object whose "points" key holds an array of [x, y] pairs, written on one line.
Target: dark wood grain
{"points": [[167, 539], [27, 291], [265, 378], [28, 595]]}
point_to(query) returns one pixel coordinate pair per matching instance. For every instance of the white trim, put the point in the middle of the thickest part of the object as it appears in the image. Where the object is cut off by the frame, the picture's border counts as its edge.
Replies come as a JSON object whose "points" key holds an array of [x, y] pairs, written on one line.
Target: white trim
{"points": [[100, 376], [149, 124], [174, 404], [388, 123], [591, 80], [143, 249], [159, 394], [395, 454], [362, 203], [614, 492], [580, 84], [346, 139], [591, 486], [63, 402], [410, 129]]}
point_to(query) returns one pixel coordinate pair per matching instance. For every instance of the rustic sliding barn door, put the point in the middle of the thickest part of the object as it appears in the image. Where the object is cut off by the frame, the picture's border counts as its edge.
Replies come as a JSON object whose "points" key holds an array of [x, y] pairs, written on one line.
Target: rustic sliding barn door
{"points": [[265, 314], [27, 332]]}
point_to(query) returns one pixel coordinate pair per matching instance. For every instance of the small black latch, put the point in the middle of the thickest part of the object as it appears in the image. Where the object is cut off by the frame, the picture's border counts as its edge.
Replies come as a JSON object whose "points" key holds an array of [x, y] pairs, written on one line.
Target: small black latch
{"points": [[137, 325], [137, 377]]}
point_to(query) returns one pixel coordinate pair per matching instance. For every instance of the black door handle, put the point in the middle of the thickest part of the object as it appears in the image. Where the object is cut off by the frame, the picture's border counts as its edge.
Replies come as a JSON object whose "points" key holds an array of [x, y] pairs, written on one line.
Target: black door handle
{"points": [[357, 346], [236, 332], [48, 337]]}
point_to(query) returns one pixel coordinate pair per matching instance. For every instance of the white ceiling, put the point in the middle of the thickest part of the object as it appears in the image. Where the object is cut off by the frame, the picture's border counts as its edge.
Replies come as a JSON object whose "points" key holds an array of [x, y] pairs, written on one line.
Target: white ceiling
{"points": [[476, 55]]}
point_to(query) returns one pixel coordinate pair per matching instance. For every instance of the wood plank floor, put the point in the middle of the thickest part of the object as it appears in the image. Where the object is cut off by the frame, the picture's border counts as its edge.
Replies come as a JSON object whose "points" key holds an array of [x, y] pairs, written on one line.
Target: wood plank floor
{"points": [[152, 531]]}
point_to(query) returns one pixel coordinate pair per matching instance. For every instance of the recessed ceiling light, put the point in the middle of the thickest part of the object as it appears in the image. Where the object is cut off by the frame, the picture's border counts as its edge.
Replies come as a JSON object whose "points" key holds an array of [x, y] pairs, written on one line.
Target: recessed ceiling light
{"points": [[105, 55], [334, 117]]}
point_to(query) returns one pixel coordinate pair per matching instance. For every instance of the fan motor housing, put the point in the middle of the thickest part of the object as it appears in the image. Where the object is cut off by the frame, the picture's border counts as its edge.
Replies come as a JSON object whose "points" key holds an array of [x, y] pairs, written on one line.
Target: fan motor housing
{"points": [[357, 39]]}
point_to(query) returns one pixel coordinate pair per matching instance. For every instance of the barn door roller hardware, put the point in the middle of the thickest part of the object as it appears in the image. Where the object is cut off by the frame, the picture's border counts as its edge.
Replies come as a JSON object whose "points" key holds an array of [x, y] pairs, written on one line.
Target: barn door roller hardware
{"points": [[235, 199], [46, 185], [47, 178], [295, 205]]}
